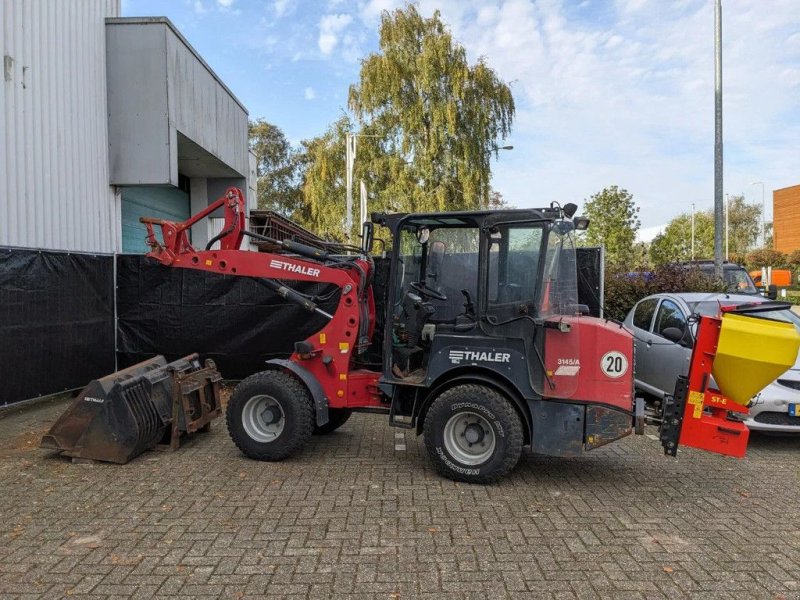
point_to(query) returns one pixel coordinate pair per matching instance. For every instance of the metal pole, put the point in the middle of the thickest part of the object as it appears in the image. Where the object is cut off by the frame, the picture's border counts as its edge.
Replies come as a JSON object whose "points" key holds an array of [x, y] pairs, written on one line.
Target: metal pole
{"points": [[350, 157], [363, 204], [726, 226], [718, 138], [763, 215], [692, 230]]}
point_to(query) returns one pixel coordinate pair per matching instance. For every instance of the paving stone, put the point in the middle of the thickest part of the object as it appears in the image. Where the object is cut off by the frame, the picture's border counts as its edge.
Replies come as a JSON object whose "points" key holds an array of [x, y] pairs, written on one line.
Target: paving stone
{"points": [[350, 517]]}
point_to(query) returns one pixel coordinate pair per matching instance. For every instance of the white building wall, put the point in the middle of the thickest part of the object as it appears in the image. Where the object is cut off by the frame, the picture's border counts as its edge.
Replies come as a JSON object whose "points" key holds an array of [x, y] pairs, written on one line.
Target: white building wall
{"points": [[54, 190]]}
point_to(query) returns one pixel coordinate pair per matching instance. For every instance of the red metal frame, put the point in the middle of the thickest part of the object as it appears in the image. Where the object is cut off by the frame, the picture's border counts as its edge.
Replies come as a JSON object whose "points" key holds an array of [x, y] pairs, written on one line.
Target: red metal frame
{"points": [[331, 355], [705, 419], [176, 240]]}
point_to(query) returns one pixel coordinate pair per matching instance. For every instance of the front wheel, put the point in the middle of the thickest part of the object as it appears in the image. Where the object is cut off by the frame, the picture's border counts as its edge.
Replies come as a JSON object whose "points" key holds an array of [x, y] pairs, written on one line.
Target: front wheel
{"points": [[473, 434], [336, 418], [270, 415]]}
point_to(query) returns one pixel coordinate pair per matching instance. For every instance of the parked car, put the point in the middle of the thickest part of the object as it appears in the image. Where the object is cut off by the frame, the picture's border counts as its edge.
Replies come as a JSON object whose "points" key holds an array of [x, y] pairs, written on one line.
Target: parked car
{"points": [[660, 358], [736, 276]]}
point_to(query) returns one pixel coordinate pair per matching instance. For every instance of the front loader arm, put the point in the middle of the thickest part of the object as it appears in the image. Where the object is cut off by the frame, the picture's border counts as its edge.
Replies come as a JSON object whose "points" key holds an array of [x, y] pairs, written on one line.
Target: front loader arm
{"points": [[175, 237], [327, 354]]}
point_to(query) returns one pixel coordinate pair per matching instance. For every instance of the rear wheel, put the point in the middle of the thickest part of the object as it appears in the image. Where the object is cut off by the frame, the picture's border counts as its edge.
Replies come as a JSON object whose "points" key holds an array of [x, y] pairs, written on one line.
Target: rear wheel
{"points": [[270, 416], [473, 434], [336, 418]]}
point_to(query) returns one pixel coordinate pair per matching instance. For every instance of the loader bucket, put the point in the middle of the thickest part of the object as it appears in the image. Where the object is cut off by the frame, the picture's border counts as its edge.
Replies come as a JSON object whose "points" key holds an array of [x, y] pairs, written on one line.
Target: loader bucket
{"points": [[751, 353], [121, 415]]}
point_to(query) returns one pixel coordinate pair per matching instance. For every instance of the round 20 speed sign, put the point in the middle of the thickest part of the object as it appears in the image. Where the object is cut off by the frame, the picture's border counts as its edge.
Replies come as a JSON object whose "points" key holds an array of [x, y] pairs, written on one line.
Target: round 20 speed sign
{"points": [[614, 364]]}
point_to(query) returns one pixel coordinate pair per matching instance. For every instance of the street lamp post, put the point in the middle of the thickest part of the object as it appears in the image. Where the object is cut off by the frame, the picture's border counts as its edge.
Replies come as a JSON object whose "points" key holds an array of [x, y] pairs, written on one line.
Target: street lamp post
{"points": [[718, 181], [726, 226], [763, 214]]}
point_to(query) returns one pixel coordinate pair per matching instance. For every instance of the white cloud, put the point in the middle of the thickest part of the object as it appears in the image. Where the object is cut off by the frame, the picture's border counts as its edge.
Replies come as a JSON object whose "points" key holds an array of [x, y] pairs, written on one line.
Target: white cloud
{"points": [[225, 3], [199, 8], [607, 92], [282, 8], [623, 94], [329, 28], [647, 234], [370, 11], [309, 93]]}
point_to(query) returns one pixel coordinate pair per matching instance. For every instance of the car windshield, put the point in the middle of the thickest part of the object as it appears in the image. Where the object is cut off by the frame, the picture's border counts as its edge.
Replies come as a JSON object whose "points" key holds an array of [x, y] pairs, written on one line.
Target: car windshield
{"points": [[738, 280], [711, 308]]}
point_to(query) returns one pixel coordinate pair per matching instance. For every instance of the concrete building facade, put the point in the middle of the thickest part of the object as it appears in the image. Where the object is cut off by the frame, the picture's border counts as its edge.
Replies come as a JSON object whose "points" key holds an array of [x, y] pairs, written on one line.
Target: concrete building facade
{"points": [[103, 120], [106, 119]]}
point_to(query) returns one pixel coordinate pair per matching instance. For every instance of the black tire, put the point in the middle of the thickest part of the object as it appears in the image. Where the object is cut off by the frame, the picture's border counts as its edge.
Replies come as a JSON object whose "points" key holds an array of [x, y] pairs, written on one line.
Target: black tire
{"points": [[277, 393], [453, 420], [336, 418]]}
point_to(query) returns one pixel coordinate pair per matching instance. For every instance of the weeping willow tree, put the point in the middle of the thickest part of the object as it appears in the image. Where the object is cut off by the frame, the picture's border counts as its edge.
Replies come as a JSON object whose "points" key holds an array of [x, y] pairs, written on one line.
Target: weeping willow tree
{"points": [[437, 118], [427, 123], [323, 182]]}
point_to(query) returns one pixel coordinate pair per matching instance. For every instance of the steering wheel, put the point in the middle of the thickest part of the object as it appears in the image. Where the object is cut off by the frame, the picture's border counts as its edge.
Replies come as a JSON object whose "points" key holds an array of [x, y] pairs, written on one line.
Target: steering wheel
{"points": [[423, 289]]}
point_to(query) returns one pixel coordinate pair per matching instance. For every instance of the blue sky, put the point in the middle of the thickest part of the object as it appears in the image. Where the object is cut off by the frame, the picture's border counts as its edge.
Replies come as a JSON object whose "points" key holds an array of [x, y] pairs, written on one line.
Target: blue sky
{"points": [[613, 92]]}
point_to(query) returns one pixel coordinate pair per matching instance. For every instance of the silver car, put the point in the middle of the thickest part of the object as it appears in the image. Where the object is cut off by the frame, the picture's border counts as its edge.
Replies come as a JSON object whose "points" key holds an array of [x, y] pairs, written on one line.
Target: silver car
{"points": [[662, 355]]}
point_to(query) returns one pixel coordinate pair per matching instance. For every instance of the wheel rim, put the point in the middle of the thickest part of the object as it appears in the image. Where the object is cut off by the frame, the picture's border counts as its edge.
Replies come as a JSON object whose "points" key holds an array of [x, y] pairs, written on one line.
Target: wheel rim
{"points": [[263, 418], [469, 438]]}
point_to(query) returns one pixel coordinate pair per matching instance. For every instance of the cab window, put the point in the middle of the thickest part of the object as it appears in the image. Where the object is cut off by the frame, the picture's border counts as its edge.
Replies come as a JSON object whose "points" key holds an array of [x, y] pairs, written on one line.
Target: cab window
{"points": [[514, 253]]}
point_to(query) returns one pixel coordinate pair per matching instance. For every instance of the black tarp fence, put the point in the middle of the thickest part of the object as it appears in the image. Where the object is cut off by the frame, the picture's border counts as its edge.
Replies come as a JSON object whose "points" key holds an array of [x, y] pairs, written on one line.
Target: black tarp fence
{"points": [[56, 321], [236, 321], [57, 316]]}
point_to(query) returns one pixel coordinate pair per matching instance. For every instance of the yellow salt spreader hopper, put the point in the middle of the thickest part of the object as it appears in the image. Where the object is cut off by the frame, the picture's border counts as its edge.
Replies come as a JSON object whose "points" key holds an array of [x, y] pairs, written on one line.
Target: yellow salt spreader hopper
{"points": [[752, 352], [744, 351]]}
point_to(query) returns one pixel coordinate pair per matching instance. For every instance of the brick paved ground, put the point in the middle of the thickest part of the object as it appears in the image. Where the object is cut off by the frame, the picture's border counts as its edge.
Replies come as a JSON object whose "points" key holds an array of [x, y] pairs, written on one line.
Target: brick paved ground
{"points": [[354, 517]]}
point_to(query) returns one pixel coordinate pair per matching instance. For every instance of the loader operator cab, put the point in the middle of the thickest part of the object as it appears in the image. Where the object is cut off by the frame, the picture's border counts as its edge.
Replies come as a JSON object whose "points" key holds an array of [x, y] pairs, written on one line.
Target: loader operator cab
{"points": [[471, 276]]}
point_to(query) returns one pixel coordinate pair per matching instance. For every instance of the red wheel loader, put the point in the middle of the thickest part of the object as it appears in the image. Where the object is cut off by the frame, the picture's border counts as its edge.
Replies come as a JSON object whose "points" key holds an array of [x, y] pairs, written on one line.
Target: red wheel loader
{"points": [[480, 345]]}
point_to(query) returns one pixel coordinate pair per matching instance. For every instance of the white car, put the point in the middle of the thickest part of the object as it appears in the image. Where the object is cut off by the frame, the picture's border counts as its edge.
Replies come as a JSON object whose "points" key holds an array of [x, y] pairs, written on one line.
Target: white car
{"points": [[659, 360]]}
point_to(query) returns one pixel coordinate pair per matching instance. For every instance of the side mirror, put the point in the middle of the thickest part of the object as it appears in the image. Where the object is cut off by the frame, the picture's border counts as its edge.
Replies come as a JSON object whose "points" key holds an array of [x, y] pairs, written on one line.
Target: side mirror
{"points": [[673, 334], [772, 292]]}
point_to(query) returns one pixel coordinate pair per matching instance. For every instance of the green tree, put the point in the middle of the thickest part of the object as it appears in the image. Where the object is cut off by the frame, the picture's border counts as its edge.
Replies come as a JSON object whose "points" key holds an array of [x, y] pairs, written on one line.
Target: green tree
{"points": [[322, 161], [769, 236], [744, 221], [497, 202], [793, 259], [429, 119], [277, 168], [767, 257], [674, 244], [613, 223]]}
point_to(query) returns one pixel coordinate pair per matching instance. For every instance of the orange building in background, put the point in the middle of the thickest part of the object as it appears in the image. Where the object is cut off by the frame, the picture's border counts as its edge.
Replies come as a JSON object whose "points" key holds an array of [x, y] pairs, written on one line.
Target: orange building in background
{"points": [[786, 219]]}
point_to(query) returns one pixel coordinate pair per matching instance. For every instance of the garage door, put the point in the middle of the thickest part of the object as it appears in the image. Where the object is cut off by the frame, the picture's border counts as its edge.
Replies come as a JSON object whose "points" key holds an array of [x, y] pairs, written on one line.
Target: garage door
{"points": [[161, 203]]}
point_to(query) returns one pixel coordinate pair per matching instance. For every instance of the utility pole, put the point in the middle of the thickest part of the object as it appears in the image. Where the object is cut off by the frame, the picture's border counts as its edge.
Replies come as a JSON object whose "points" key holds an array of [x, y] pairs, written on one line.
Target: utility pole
{"points": [[726, 226], [763, 215], [692, 230], [350, 159], [718, 138]]}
